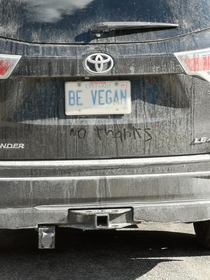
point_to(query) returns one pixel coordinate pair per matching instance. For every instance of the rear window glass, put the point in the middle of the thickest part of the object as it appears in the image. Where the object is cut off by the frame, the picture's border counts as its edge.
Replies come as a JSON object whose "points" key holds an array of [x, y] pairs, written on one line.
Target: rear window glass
{"points": [[70, 21]]}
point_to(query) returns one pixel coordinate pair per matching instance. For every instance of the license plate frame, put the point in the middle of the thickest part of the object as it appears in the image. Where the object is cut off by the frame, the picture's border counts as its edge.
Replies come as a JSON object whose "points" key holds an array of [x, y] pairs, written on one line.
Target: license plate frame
{"points": [[98, 98]]}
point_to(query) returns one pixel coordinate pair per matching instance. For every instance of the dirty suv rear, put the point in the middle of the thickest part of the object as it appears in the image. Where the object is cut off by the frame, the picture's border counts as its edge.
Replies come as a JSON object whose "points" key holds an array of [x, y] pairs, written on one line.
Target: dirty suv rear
{"points": [[104, 114]]}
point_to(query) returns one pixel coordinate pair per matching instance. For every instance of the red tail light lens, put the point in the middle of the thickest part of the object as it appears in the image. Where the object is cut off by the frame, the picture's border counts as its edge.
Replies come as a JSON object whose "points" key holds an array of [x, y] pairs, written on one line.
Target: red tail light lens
{"points": [[4, 66], [196, 62], [7, 64]]}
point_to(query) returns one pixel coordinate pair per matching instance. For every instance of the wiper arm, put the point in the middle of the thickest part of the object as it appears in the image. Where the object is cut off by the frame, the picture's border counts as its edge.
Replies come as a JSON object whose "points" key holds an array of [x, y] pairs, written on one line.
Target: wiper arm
{"points": [[105, 27]]}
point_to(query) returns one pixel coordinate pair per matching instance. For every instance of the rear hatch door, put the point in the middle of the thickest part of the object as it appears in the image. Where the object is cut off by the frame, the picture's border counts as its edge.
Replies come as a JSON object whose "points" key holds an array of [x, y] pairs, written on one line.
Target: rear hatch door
{"points": [[168, 108]]}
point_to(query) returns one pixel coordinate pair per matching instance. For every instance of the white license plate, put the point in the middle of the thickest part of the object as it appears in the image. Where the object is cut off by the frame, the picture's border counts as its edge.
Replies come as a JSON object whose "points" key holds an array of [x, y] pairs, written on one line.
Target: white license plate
{"points": [[98, 98]]}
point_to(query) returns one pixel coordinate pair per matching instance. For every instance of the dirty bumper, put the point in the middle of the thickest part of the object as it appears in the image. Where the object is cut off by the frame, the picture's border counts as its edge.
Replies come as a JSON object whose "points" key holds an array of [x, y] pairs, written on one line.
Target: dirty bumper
{"points": [[104, 194]]}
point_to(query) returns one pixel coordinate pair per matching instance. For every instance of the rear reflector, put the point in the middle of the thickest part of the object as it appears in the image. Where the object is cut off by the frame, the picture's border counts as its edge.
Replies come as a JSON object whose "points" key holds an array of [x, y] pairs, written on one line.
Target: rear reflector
{"points": [[7, 64], [196, 62]]}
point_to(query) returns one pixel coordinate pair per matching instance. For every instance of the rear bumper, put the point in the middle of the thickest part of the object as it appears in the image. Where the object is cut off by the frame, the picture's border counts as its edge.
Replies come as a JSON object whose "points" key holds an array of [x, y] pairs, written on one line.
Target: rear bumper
{"points": [[166, 189]]}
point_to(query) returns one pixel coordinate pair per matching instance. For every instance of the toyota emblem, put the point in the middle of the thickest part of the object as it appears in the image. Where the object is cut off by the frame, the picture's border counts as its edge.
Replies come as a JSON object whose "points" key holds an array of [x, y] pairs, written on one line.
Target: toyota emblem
{"points": [[99, 63]]}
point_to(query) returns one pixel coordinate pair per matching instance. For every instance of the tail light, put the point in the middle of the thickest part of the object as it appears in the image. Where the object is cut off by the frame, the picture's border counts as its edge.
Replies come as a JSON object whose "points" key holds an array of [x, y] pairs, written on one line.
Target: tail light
{"points": [[7, 64], [196, 63]]}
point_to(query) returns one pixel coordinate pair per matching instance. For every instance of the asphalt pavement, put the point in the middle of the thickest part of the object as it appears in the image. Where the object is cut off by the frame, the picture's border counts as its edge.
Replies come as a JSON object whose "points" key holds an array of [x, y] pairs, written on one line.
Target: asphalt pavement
{"points": [[161, 251]]}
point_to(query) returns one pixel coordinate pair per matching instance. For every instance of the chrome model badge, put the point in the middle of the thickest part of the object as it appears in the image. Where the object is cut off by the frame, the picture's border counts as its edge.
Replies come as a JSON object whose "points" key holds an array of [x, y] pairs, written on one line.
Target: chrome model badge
{"points": [[98, 63], [200, 140], [12, 146]]}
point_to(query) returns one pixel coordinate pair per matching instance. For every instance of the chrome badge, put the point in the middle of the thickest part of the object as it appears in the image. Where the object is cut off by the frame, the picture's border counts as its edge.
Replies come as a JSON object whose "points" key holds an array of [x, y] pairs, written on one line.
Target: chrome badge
{"points": [[98, 63]]}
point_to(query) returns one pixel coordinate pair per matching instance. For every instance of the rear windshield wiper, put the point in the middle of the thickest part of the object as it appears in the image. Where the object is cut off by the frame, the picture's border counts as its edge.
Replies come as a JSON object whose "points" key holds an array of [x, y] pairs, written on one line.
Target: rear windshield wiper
{"points": [[110, 27]]}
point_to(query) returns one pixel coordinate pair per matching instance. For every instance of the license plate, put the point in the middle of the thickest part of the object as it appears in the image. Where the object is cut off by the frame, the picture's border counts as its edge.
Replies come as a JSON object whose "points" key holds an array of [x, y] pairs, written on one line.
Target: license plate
{"points": [[98, 98]]}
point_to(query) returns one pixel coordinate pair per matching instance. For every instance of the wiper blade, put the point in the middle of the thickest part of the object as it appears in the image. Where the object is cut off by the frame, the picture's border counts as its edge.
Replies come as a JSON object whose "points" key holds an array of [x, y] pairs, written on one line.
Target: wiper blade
{"points": [[106, 27]]}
